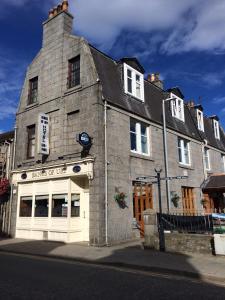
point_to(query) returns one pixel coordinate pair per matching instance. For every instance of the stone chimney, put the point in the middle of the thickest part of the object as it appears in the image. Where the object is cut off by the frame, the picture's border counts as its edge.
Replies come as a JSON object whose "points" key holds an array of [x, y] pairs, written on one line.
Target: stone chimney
{"points": [[154, 78], [59, 22], [191, 103]]}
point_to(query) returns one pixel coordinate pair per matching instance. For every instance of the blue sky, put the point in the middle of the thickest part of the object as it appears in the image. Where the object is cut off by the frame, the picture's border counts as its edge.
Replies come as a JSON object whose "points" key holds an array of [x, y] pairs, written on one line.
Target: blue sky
{"points": [[182, 40]]}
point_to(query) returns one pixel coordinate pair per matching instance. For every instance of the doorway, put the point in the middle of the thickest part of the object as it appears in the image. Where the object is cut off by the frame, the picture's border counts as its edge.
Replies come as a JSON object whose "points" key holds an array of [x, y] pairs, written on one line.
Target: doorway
{"points": [[188, 200], [142, 200]]}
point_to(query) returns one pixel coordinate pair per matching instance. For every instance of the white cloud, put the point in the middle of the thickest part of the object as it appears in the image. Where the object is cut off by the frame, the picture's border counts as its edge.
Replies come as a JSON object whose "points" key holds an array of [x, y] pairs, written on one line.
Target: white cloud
{"points": [[219, 100], [187, 25]]}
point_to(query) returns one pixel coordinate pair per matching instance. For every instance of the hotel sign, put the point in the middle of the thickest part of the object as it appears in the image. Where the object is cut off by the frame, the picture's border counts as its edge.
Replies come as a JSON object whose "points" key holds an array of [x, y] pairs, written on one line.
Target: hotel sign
{"points": [[43, 134]]}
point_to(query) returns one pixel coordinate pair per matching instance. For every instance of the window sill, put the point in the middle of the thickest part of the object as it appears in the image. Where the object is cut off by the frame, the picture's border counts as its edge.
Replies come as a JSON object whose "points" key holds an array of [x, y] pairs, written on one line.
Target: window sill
{"points": [[141, 156], [73, 89], [185, 166]]}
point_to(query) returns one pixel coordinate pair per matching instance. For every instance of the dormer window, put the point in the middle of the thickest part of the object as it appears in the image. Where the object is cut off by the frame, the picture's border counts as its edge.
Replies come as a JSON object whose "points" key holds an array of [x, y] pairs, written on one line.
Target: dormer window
{"points": [[216, 129], [177, 107], [133, 82], [200, 120]]}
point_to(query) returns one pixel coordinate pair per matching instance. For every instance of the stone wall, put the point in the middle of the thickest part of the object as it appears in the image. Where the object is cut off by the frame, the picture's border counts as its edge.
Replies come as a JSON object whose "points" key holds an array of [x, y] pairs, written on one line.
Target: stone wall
{"points": [[175, 242]]}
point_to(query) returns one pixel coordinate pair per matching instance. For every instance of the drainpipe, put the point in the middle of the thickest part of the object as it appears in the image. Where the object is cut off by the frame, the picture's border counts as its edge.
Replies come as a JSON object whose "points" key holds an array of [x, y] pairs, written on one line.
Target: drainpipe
{"points": [[12, 168], [203, 161], [106, 174], [8, 158], [166, 150]]}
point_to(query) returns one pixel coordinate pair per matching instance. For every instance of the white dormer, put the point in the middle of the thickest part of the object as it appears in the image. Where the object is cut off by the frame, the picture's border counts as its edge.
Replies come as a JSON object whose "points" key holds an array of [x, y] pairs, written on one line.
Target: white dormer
{"points": [[133, 82], [216, 129], [200, 120], [177, 107]]}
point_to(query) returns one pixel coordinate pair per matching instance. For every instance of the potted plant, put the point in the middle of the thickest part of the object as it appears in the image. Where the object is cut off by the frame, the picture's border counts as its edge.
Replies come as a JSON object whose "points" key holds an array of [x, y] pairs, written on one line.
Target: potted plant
{"points": [[175, 199], [120, 199]]}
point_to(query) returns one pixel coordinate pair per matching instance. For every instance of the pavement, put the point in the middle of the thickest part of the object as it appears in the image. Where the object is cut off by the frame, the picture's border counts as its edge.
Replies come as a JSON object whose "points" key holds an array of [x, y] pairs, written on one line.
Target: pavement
{"points": [[129, 255]]}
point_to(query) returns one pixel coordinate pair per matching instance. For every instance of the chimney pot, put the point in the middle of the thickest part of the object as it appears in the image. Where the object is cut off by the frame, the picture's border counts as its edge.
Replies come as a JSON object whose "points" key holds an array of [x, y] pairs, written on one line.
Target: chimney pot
{"points": [[59, 8], [51, 13], [55, 11], [154, 78], [65, 5]]}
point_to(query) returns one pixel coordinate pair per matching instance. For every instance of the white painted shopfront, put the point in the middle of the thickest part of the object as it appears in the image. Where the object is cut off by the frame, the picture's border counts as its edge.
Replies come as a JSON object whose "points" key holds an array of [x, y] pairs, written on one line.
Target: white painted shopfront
{"points": [[53, 202]]}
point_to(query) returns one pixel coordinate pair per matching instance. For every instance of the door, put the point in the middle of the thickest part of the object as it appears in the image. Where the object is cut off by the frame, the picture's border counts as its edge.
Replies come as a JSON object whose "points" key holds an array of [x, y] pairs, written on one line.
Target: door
{"points": [[208, 203], [188, 200], [85, 215], [142, 200]]}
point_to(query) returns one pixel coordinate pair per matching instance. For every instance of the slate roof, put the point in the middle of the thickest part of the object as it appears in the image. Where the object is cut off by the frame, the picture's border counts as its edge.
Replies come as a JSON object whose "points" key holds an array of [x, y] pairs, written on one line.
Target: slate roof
{"points": [[215, 182], [208, 133], [111, 76], [6, 136]]}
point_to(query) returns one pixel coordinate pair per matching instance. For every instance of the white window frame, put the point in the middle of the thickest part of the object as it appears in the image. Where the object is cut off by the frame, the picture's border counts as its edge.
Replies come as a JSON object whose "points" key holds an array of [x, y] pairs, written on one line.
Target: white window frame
{"points": [[138, 137], [200, 120], [223, 162], [207, 157], [216, 129], [134, 82], [183, 149], [175, 105]]}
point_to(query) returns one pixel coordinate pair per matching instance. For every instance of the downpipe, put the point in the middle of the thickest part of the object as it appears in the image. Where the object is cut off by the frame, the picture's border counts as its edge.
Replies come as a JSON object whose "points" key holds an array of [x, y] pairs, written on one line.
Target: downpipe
{"points": [[106, 174]]}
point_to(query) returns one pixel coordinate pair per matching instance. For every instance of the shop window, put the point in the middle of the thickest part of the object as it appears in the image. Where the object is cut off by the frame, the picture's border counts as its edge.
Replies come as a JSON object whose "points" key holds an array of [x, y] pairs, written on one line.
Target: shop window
{"points": [[26, 206], [75, 205], [33, 90], [139, 137], [74, 72], [41, 206], [59, 205], [31, 141], [223, 162]]}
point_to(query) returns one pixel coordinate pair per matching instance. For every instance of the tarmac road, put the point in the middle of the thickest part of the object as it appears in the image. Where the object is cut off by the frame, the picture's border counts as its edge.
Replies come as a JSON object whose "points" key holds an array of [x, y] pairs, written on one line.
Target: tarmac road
{"points": [[27, 277]]}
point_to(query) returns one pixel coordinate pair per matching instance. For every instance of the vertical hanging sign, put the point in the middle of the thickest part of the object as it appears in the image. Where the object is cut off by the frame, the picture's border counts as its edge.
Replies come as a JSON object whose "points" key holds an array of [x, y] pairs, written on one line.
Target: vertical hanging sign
{"points": [[43, 134]]}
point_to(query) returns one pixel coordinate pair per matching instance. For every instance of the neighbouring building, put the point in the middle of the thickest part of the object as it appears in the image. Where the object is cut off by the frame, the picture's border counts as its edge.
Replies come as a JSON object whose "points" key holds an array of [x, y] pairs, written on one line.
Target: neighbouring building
{"points": [[73, 92], [6, 160]]}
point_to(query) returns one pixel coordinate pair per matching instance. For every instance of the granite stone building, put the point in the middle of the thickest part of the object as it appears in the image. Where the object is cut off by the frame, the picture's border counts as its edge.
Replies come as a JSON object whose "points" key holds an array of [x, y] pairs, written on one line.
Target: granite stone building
{"points": [[66, 191], [6, 161]]}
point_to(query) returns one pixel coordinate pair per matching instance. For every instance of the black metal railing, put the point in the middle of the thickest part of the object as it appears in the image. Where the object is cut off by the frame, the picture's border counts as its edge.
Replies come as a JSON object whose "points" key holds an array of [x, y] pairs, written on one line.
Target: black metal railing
{"points": [[186, 223]]}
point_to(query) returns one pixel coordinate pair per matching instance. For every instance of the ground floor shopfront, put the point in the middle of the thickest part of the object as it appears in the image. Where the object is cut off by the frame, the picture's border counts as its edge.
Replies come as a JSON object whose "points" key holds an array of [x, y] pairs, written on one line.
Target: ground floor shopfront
{"points": [[53, 202]]}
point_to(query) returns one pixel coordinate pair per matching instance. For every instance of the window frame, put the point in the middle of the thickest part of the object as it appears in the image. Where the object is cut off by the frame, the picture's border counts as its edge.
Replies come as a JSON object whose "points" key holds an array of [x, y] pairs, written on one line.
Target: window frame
{"points": [[206, 156], [138, 135], [216, 129], [25, 198], [200, 120], [73, 73], [40, 198], [134, 82], [175, 107], [30, 138], [182, 150], [223, 162], [33, 92]]}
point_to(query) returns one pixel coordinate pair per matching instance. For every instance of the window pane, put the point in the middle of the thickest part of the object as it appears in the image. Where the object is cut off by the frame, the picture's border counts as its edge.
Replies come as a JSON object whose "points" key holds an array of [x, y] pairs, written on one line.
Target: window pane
{"points": [[132, 125], [31, 141], [74, 72], [75, 205], [41, 206], [33, 90], [138, 90], [129, 85], [186, 157], [180, 155], [144, 144], [59, 205], [133, 141], [25, 206], [129, 74]]}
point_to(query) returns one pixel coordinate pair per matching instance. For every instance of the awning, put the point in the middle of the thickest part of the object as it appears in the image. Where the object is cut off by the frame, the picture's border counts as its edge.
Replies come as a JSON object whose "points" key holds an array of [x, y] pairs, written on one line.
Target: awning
{"points": [[215, 183]]}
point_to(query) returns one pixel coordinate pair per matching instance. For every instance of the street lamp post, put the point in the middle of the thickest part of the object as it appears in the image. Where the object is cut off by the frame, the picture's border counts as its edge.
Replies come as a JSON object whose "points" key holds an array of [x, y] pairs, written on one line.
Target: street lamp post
{"points": [[160, 226]]}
